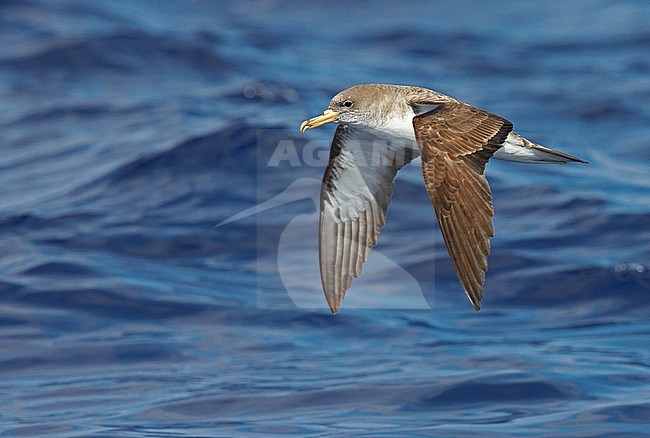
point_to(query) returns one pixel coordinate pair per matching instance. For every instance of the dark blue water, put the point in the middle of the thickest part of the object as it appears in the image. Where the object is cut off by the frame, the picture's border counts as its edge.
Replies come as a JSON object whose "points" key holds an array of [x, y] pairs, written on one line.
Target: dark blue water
{"points": [[128, 130]]}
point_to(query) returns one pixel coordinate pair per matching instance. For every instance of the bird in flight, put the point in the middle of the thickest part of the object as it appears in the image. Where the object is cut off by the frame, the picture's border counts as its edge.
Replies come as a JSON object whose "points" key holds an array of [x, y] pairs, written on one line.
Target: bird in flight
{"points": [[381, 128]]}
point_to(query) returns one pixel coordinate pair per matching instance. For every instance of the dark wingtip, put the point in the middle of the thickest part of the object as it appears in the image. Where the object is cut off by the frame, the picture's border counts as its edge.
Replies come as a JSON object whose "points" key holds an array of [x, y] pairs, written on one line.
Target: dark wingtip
{"points": [[334, 309], [476, 302]]}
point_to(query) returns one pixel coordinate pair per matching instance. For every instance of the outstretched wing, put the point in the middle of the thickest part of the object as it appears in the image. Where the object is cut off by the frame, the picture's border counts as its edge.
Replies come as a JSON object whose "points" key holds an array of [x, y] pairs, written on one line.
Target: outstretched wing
{"points": [[355, 193], [456, 141]]}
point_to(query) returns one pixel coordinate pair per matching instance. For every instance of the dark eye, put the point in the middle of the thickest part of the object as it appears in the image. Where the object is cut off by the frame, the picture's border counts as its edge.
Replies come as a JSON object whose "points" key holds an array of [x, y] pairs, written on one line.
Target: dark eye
{"points": [[347, 103]]}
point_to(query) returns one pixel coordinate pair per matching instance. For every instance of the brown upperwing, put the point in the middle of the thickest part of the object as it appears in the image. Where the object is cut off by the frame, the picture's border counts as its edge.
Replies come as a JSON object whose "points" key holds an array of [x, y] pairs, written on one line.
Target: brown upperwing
{"points": [[456, 141]]}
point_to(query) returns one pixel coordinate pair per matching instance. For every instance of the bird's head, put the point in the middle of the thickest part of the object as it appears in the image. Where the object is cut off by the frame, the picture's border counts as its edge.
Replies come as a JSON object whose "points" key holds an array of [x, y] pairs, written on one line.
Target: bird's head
{"points": [[355, 106]]}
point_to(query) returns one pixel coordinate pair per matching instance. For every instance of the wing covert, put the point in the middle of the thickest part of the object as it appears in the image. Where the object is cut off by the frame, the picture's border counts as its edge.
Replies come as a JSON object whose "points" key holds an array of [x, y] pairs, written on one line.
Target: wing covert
{"points": [[456, 141]]}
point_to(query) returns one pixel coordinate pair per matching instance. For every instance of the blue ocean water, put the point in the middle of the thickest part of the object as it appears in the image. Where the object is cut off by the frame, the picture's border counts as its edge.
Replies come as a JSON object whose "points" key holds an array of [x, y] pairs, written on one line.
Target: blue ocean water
{"points": [[129, 129]]}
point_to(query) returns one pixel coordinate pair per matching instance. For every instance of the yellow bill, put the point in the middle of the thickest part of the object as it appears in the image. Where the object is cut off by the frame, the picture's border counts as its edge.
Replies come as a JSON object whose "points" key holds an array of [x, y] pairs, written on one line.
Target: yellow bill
{"points": [[327, 117]]}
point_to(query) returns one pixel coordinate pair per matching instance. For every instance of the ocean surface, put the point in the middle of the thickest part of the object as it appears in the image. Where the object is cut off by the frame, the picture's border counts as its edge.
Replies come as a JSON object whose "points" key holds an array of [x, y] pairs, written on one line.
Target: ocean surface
{"points": [[158, 223]]}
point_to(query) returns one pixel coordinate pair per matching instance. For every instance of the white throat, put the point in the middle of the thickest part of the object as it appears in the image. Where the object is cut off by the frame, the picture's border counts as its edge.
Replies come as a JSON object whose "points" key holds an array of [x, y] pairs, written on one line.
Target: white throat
{"points": [[396, 130], [398, 127]]}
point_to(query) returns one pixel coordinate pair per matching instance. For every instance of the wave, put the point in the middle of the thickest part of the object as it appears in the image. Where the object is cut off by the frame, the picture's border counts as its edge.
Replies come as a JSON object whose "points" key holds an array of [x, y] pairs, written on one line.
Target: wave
{"points": [[127, 51]]}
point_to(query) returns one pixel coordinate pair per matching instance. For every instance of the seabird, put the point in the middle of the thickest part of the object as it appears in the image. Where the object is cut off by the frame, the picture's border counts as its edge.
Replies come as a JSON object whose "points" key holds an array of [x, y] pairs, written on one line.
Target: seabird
{"points": [[380, 129]]}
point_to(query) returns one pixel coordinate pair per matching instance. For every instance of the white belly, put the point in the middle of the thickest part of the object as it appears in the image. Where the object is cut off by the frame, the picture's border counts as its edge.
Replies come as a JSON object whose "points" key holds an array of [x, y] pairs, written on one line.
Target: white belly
{"points": [[398, 131], [518, 149]]}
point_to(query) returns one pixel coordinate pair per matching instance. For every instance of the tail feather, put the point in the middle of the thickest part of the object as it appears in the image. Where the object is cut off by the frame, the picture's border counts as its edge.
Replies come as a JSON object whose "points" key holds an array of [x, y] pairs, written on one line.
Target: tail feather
{"points": [[558, 155], [517, 148]]}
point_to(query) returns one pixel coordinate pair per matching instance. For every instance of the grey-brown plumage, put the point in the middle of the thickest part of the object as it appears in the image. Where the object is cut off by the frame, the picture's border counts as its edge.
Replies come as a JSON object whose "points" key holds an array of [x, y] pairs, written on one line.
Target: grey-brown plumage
{"points": [[457, 141], [346, 240], [381, 129]]}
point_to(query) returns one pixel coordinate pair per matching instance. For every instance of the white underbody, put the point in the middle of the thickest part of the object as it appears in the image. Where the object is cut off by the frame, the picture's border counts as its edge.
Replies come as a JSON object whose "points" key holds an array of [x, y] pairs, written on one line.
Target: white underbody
{"points": [[515, 148]]}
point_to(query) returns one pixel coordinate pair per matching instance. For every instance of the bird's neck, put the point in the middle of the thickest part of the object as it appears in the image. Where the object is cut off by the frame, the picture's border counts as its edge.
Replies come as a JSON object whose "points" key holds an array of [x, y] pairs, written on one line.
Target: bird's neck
{"points": [[395, 128]]}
